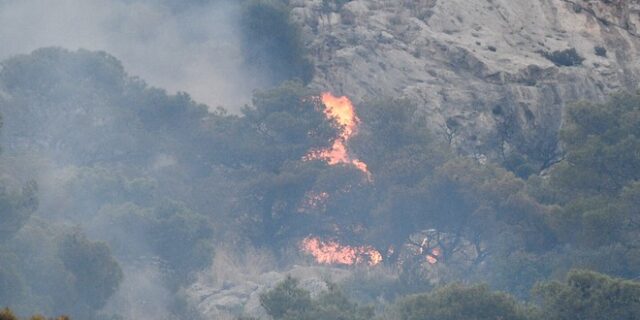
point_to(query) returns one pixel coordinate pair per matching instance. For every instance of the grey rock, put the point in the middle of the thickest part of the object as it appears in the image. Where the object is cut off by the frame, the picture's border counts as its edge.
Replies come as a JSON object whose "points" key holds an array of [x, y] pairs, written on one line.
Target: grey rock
{"points": [[243, 297], [462, 59]]}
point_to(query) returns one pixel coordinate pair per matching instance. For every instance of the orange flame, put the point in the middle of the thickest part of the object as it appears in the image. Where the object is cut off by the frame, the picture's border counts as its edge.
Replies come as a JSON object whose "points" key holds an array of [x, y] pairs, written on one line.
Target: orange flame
{"points": [[342, 111], [432, 258], [332, 252]]}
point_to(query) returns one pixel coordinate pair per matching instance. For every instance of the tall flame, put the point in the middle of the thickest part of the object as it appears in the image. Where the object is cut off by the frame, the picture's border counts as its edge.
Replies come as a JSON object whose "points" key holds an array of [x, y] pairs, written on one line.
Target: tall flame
{"points": [[332, 252], [341, 109]]}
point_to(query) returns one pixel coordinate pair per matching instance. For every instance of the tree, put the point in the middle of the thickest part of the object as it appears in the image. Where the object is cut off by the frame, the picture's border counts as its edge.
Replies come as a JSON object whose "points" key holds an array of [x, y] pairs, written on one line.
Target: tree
{"points": [[601, 141], [286, 299], [7, 314], [283, 125], [457, 302], [596, 185], [589, 295], [96, 274], [289, 302]]}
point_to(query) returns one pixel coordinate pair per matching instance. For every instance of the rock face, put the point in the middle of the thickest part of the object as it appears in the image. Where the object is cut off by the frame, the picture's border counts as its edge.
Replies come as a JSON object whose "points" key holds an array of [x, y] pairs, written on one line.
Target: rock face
{"points": [[481, 69], [232, 298]]}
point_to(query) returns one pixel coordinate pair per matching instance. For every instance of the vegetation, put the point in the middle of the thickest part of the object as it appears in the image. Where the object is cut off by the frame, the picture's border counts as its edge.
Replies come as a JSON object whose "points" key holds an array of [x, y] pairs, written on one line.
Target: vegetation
{"points": [[7, 314], [584, 295], [564, 58], [131, 179], [600, 51], [288, 301], [589, 295], [459, 302]]}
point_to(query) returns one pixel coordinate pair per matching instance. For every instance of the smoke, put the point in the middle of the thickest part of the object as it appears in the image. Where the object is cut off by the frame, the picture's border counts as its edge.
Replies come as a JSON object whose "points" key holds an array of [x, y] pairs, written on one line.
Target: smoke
{"points": [[142, 295], [191, 46]]}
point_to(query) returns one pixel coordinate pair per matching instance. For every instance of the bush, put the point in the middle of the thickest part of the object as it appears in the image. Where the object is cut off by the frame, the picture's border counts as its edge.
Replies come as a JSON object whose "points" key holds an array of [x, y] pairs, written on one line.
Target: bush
{"points": [[600, 51], [288, 301], [564, 58], [458, 302], [589, 295], [96, 274], [7, 314]]}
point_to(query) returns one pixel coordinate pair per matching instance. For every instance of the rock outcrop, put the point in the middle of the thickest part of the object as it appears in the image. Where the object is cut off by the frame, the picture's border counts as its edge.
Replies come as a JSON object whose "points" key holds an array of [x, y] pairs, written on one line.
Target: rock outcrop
{"points": [[490, 72], [230, 298]]}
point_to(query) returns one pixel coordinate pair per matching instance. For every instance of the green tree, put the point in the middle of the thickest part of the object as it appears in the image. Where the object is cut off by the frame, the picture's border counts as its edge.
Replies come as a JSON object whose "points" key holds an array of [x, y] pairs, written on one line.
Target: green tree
{"points": [[288, 301], [282, 125], [601, 143], [180, 237], [96, 274], [597, 185], [286, 298], [589, 295], [457, 302]]}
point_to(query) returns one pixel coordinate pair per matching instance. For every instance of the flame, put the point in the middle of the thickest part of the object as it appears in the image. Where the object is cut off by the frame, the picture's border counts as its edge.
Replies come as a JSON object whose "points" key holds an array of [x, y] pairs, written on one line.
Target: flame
{"points": [[432, 258], [342, 111], [332, 252]]}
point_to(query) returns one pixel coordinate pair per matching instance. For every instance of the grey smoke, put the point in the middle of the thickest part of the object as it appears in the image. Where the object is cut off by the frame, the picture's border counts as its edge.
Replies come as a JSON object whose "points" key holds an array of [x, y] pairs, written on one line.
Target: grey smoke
{"points": [[191, 46]]}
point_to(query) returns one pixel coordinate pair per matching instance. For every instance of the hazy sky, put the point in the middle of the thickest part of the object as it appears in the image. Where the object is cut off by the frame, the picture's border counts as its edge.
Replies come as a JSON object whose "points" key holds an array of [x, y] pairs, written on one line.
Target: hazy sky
{"points": [[176, 46]]}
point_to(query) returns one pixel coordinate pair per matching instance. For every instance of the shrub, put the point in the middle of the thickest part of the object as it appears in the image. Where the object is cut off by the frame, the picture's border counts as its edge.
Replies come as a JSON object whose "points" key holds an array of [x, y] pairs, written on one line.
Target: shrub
{"points": [[600, 51], [564, 58]]}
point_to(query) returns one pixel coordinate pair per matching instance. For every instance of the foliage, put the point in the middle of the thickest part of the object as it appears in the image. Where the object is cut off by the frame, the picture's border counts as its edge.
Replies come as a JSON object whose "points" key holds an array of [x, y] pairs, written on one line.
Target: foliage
{"points": [[96, 273], [564, 58], [600, 51], [177, 235], [589, 295], [7, 314], [288, 301], [285, 298], [597, 184], [600, 142], [457, 302]]}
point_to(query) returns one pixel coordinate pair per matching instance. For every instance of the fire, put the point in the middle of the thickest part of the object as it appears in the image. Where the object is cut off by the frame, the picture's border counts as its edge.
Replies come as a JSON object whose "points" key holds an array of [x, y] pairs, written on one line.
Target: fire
{"points": [[432, 258], [332, 252], [342, 111]]}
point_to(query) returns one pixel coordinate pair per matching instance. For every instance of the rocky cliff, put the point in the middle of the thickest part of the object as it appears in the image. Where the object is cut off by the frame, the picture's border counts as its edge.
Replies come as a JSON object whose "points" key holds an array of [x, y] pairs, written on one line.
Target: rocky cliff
{"points": [[493, 75]]}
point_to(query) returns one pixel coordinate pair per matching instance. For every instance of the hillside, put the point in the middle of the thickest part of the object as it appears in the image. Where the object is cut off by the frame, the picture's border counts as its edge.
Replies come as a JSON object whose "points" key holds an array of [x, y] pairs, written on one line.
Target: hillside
{"points": [[477, 65], [401, 160]]}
